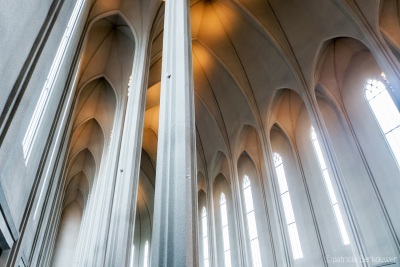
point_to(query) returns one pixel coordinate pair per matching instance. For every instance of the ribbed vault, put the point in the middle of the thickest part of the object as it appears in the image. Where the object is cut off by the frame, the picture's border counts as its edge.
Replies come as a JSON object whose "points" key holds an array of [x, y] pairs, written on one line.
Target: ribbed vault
{"points": [[243, 52]]}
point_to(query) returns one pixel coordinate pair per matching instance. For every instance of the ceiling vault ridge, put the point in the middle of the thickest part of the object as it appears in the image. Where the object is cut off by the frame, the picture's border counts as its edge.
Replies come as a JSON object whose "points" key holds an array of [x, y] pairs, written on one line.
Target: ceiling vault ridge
{"points": [[220, 127], [203, 156], [230, 73], [100, 44], [223, 128]]}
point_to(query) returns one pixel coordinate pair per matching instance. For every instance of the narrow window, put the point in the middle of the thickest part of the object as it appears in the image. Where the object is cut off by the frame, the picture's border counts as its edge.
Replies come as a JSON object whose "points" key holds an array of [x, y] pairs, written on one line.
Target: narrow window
{"points": [[132, 254], [386, 113], [251, 222], [329, 188], [205, 235], [146, 254], [225, 230], [288, 209], [33, 126]]}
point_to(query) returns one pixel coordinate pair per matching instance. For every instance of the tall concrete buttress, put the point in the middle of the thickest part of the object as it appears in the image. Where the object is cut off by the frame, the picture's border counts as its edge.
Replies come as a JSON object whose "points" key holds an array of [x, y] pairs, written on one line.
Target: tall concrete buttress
{"points": [[175, 212]]}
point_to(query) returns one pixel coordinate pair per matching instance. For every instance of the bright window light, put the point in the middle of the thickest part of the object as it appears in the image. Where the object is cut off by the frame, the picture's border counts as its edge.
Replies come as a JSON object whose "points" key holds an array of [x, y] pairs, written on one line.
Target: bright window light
{"points": [[132, 254], [225, 230], [386, 113], [287, 208], [146, 254], [329, 188], [251, 222], [205, 236], [37, 116]]}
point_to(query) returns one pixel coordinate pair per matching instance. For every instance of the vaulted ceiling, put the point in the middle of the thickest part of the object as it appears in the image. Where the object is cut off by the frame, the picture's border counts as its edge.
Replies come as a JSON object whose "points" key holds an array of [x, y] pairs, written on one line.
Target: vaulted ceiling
{"points": [[244, 51]]}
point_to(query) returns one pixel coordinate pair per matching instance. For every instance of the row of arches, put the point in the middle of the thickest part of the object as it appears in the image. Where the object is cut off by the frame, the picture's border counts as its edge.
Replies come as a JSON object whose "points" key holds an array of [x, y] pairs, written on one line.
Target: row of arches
{"points": [[313, 193], [248, 211], [101, 91]]}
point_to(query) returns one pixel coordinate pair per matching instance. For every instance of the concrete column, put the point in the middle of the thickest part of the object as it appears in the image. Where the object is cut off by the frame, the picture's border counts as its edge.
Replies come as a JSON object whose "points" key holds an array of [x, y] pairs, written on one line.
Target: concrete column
{"points": [[174, 240], [212, 248], [122, 223], [242, 244]]}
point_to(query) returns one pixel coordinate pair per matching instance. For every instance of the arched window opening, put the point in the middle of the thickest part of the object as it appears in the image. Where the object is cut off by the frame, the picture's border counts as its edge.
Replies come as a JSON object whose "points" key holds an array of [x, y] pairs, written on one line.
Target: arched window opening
{"points": [[132, 255], [329, 188], [33, 126], [225, 230], [386, 113], [288, 209], [205, 236], [251, 222], [146, 254]]}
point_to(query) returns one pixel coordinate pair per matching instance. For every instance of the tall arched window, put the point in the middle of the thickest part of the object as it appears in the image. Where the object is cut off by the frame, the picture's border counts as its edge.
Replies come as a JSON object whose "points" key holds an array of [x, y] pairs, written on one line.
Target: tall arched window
{"points": [[32, 131], [288, 209], [386, 113], [225, 230], [251, 222], [146, 254], [329, 188], [205, 235]]}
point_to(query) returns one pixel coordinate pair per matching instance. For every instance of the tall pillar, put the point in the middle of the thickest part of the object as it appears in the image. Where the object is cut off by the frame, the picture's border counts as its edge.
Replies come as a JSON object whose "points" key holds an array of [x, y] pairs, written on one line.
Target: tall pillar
{"points": [[212, 247], [174, 240], [122, 222]]}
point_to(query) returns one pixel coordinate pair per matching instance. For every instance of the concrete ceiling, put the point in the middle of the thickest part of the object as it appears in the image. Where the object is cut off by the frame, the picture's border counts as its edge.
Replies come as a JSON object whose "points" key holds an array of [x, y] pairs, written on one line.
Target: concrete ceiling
{"points": [[244, 51]]}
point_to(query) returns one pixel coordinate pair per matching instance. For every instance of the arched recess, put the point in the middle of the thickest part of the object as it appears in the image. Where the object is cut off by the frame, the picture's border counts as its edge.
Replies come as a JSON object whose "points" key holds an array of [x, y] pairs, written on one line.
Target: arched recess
{"points": [[67, 238], [83, 162], [360, 147], [246, 167], [284, 110], [324, 192], [93, 123], [201, 182], [307, 227], [109, 51], [222, 186], [78, 182], [88, 135], [389, 24], [220, 165], [79, 179], [97, 99]]}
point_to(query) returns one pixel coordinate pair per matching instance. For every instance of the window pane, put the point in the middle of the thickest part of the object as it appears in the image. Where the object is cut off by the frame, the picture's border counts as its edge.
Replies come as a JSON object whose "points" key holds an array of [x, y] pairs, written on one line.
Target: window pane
{"points": [[340, 222], [146, 254], [319, 154], [386, 114], [281, 179], [37, 115], [246, 182], [251, 220], [224, 219], [295, 241], [331, 193], [329, 187], [204, 226], [248, 199], [228, 258], [287, 207], [255, 253], [225, 234], [205, 247], [277, 159], [393, 139]]}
